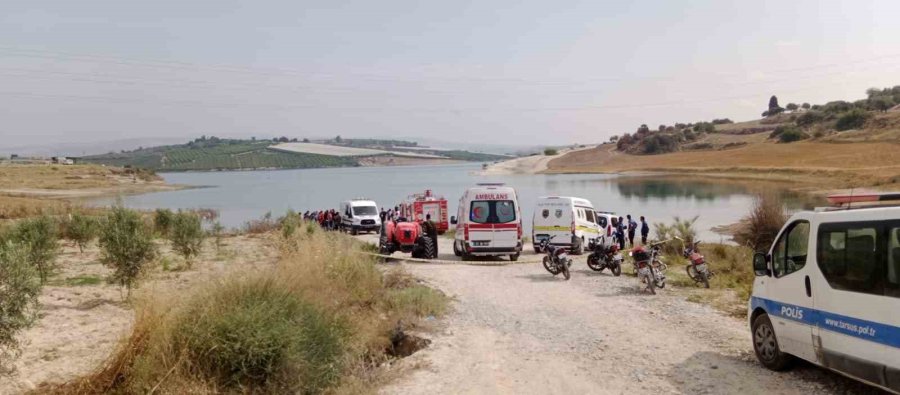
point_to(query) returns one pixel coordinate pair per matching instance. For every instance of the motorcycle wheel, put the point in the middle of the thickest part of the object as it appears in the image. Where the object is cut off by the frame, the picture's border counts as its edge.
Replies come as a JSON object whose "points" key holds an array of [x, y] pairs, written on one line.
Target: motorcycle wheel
{"points": [[651, 283], [550, 266], [692, 273], [593, 262], [705, 280], [565, 270], [616, 269]]}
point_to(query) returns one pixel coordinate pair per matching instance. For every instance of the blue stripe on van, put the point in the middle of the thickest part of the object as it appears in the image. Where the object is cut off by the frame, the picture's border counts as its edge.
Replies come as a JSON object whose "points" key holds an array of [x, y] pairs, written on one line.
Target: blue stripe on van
{"points": [[862, 329]]}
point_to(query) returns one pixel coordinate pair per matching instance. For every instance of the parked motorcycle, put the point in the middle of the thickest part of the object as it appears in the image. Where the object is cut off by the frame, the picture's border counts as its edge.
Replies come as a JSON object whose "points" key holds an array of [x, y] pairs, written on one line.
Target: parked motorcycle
{"points": [[697, 268], [557, 260], [650, 270], [605, 256]]}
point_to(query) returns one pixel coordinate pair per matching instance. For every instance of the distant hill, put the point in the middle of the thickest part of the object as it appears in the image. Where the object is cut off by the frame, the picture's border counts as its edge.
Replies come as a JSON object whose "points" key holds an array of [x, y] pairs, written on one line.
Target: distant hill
{"points": [[871, 119], [212, 153]]}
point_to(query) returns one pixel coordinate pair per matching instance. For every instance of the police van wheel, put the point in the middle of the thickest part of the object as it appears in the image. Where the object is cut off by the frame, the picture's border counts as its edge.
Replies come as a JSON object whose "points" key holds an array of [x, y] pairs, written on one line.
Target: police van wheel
{"points": [[353, 231], [578, 249], [514, 257], [765, 344]]}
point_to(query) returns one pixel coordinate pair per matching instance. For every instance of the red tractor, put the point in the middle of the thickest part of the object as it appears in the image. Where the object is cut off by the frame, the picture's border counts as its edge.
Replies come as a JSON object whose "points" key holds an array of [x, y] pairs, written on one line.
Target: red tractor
{"points": [[406, 237]]}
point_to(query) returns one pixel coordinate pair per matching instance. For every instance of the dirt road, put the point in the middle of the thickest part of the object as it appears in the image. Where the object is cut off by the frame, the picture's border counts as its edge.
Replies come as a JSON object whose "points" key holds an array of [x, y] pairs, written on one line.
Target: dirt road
{"points": [[517, 329]]}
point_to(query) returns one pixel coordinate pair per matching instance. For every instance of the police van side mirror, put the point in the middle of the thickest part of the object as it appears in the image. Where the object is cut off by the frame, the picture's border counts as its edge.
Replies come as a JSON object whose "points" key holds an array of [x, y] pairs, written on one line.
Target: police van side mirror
{"points": [[453, 220], [761, 264]]}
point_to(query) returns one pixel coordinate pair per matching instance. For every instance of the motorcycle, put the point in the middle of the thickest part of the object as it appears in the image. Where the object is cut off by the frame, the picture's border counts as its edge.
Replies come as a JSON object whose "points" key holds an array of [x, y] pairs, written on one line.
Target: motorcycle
{"points": [[697, 268], [650, 270], [557, 260], [605, 256]]}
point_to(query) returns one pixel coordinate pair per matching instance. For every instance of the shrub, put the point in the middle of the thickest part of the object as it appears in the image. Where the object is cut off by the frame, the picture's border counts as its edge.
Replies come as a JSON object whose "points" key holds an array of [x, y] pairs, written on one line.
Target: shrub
{"points": [[262, 225], [810, 117], [38, 236], [320, 319], [787, 134], [764, 222], [81, 229], [659, 143], [254, 334], [289, 224], [791, 135], [550, 151], [186, 235], [682, 228], [127, 245], [853, 119], [216, 231], [162, 221], [19, 290]]}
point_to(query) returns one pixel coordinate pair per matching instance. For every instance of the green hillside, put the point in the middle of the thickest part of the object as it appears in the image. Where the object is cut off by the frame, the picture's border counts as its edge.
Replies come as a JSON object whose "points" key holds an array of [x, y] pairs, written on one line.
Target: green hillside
{"points": [[214, 153], [217, 154]]}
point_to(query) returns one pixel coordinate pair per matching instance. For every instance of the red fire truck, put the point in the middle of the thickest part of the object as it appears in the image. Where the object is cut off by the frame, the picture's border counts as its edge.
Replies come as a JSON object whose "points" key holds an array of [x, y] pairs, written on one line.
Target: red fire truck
{"points": [[418, 205]]}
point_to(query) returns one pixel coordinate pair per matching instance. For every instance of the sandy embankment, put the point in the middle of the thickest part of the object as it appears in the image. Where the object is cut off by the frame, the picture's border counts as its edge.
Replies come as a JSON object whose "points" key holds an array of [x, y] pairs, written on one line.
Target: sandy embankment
{"points": [[525, 165]]}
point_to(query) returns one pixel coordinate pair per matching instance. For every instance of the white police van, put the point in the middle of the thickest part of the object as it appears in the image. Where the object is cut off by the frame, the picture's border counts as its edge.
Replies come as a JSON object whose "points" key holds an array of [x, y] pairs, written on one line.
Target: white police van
{"points": [[828, 291]]}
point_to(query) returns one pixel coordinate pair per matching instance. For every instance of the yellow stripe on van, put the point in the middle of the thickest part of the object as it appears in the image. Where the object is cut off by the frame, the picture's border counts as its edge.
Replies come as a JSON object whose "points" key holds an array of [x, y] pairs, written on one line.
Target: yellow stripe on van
{"points": [[565, 229]]}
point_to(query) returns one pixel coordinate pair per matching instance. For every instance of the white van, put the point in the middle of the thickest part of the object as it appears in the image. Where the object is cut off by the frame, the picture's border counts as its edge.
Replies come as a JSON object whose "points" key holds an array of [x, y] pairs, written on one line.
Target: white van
{"points": [[488, 223], [569, 221], [360, 215], [828, 291]]}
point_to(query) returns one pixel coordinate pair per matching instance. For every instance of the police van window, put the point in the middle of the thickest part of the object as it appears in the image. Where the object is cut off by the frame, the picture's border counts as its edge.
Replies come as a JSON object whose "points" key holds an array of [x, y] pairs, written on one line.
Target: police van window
{"points": [[849, 258], [590, 215], [893, 255], [601, 220], [790, 252]]}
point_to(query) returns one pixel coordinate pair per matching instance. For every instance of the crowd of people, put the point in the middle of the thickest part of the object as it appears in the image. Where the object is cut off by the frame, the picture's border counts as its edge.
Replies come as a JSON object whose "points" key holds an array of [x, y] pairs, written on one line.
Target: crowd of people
{"points": [[626, 229], [328, 219]]}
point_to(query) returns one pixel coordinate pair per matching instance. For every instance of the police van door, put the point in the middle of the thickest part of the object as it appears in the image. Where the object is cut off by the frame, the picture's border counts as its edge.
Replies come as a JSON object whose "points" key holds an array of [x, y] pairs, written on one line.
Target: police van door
{"points": [[858, 321], [789, 294]]}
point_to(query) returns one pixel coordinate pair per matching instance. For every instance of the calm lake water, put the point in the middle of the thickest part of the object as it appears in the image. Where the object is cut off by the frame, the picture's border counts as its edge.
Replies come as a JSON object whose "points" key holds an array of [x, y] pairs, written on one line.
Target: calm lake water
{"points": [[244, 195]]}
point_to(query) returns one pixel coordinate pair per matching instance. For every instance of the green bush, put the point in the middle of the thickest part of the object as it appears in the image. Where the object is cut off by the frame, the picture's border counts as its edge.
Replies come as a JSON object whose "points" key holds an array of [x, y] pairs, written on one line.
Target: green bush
{"points": [[550, 151], [186, 235], [39, 237], [19, 290], [853, 119], [81, 229], [162, 221], [788, 134], [810, 117], [253, 334], [127, 245]]}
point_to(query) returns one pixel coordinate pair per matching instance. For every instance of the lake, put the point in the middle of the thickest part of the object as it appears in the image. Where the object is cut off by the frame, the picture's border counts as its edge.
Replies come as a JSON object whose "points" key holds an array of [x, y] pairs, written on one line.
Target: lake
{"points": [[240, 196]]}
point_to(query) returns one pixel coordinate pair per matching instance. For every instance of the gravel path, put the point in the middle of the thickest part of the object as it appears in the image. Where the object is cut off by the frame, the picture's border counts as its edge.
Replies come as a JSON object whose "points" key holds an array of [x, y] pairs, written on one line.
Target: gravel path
{"points": [[517, 329]]}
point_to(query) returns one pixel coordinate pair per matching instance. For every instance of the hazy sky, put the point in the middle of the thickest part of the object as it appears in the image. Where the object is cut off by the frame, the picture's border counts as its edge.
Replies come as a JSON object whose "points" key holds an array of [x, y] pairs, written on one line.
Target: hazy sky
{"points": [[502, 71]]}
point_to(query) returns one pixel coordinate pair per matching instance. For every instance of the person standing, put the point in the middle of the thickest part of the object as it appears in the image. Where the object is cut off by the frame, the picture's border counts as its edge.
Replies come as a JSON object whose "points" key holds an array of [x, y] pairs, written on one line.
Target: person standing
{"points": [[620, 233], [632, 228], [430, 230], [645, 230]]}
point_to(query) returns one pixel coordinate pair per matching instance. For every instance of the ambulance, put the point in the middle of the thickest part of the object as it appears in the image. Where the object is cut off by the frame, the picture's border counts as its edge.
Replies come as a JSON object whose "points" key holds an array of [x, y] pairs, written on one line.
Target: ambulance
{"points": [[488, 223], [570, 221], [828, 291]]}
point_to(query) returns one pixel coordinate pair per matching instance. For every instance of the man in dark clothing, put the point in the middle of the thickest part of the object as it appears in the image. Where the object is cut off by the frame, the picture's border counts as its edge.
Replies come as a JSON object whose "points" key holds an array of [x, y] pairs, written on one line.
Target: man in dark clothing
{"points": [[620, 233], [430, 230], [632, 227], [645, 230]]}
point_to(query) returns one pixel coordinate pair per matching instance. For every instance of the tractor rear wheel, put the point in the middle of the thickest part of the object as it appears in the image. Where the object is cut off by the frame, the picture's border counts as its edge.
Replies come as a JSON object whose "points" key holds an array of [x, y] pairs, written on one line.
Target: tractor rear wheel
{"points": [[428, 250]]}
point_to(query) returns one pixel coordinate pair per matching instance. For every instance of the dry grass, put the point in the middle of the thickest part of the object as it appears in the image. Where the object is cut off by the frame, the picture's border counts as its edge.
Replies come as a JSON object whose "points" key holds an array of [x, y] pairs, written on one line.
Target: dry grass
{"points": [[318, 322], [838, 165], [68, 177]]}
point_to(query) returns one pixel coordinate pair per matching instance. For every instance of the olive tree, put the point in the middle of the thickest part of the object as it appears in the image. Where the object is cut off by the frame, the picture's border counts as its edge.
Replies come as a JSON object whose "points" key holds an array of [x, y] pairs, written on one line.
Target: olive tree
{"points": [[186, 235], [19, 291], [39, 237], [81, 229], [127, 245]]}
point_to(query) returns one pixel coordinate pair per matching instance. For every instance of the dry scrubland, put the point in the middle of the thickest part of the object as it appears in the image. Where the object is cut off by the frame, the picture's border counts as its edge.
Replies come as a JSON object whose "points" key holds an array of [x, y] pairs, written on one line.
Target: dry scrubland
{"points": [[29, 190], [291, 309], [865, 157]]}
